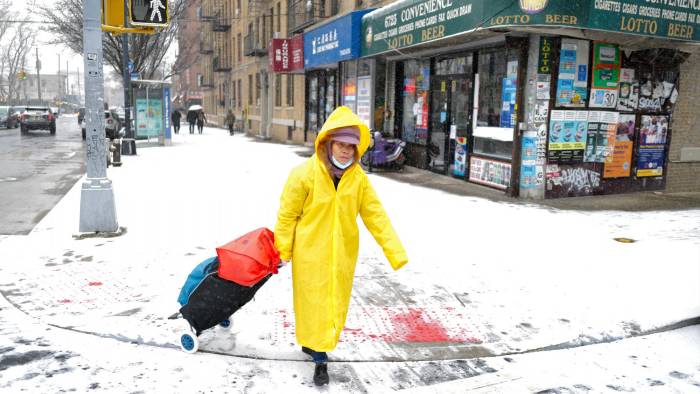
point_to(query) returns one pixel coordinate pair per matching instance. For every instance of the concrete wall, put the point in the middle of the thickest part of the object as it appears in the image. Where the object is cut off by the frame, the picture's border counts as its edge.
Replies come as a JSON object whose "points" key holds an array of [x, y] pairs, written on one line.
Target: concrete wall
{"points": [[684, 176]]}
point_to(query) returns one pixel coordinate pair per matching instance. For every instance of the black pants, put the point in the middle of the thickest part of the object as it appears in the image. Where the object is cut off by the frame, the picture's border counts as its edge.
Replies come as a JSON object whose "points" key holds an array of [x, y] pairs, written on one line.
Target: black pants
{"points": [[200, 126], [230, 129], [191, 127], [176, 126]]}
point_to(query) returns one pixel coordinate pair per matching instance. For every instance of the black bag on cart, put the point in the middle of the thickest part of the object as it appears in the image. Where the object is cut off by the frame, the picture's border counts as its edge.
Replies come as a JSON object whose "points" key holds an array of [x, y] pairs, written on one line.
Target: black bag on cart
{"points": [[215, 300]]}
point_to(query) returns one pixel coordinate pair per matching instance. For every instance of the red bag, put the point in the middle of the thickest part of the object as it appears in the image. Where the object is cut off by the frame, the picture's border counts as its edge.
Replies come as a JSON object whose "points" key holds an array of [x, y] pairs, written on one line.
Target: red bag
{"points": [[248, 259]]}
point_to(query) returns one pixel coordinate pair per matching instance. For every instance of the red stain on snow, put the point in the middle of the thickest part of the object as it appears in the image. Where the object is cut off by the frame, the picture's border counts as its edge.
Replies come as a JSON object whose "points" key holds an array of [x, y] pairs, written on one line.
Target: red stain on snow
{"points": [[64, 301], [95, 284]]}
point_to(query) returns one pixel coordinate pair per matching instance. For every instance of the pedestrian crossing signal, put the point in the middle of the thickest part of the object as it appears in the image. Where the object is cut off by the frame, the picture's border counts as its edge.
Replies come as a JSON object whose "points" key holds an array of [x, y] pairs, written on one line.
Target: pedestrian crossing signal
{"points": [[148, 12]]}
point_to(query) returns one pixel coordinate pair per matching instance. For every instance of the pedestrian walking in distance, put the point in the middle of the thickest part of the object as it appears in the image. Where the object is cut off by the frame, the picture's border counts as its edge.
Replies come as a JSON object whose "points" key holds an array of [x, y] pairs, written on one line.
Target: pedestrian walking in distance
{"points": [[317, 233], [201, 118], [175, 118], [192, 120], [230, 121]]}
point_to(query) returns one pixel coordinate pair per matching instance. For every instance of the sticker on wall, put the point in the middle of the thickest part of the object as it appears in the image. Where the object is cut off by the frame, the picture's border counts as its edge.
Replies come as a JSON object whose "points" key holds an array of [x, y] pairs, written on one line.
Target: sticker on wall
{"points": [[573, 73], [460, 162], [628, 96], [570, 181], [543, 86]]}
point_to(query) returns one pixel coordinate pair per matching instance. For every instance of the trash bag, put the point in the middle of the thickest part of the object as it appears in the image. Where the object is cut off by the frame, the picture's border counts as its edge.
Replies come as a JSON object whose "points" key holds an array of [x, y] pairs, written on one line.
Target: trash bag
{"points": [[248, 259]]}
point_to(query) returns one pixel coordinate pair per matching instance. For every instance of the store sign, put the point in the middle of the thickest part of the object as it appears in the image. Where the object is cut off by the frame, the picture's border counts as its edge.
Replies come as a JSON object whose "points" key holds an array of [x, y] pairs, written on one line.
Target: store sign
{"points": [[286, 55], [411, 22], [334, 42], [544, 62]]}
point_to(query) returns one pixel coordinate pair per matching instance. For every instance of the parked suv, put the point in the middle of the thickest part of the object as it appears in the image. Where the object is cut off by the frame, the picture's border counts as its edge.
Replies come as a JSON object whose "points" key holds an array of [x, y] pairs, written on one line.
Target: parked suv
{"points": [[8, 117], [112, 125], [37, 118]]}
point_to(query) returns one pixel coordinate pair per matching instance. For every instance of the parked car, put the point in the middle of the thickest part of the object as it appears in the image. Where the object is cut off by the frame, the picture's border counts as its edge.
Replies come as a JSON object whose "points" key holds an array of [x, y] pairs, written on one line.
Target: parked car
{"points": [[112, 125], [37, 118], [8, 117]]}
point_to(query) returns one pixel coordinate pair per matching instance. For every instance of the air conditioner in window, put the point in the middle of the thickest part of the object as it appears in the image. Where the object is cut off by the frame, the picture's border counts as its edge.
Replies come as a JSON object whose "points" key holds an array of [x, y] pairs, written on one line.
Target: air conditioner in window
{"points": [[238, 11]]}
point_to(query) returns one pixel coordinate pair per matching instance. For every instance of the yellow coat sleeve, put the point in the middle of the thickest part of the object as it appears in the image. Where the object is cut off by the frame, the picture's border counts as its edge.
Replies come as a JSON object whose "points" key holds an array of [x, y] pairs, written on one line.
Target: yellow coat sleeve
{"points": [[291, 206], [378, 224]]}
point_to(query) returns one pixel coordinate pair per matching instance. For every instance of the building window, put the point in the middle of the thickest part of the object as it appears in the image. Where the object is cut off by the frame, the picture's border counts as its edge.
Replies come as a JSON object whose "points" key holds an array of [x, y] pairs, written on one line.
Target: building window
{"points": [[290, 90], [233, 94], [250, 89], [238, 47], [278, 90], [279, 12], [200, 80], [257, 88], [240, 94]]}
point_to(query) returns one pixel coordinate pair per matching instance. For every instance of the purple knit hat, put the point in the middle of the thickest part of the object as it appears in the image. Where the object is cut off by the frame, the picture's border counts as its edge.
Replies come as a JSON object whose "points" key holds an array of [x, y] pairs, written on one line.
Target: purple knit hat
{"points": [[349, 135]]}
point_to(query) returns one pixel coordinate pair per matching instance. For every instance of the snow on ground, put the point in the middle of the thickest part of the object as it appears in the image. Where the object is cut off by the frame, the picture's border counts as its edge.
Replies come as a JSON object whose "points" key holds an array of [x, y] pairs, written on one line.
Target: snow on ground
{"points": [[484, 279]]}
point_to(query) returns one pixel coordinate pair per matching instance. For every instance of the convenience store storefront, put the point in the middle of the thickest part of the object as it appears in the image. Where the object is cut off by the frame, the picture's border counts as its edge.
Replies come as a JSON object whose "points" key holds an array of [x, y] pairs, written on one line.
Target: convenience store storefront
{"points": [[542, 99]]}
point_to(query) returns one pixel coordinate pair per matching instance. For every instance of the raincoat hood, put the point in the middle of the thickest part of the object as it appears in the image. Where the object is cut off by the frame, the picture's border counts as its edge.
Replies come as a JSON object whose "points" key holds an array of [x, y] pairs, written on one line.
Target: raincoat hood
{"points": [[344, 117]]}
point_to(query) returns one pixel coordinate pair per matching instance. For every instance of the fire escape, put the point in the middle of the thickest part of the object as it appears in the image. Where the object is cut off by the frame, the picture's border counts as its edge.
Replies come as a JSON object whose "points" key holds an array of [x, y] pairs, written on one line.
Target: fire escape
{"points": [[255, 41]]}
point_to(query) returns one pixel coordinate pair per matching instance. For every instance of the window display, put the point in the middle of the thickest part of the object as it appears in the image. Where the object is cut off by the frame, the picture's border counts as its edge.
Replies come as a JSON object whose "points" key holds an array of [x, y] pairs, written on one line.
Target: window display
{"points": [[416, 85]]}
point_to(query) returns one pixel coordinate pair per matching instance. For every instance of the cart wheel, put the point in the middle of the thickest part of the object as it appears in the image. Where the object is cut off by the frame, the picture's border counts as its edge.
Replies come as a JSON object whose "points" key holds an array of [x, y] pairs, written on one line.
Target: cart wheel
{"points": [[225, 324], [189, 342]]}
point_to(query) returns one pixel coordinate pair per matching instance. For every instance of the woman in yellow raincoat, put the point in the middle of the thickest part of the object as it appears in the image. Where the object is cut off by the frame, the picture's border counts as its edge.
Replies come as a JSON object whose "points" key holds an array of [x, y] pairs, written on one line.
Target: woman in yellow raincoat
{"points": [[317, 230]]}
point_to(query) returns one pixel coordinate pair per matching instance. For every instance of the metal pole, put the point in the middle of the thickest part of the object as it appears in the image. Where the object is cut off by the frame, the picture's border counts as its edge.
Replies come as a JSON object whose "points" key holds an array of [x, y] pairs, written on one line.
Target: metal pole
{"points": [[97, 207], [38, 76], [128, 143]]}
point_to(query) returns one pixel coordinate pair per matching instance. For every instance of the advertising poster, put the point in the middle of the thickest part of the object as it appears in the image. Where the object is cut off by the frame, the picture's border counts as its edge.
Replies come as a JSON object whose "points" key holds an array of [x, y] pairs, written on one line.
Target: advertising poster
{"points": [[573, 73], [460, 156], [628, 96], [567, 136], [652, 141], [508, 102], [602, 131], [620, 163], [149, 117], [528, 169], [364, 96], [489, 172], [606, 75]]}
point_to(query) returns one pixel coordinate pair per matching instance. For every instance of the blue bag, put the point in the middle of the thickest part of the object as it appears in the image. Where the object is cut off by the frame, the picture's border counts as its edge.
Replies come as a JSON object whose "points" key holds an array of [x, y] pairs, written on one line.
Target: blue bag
{"points": [[201, 271]]}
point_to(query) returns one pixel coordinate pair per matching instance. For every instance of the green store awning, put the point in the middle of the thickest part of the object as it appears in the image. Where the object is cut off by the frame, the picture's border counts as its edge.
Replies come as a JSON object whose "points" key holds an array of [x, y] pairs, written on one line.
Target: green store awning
{"points": [[407, 23]]}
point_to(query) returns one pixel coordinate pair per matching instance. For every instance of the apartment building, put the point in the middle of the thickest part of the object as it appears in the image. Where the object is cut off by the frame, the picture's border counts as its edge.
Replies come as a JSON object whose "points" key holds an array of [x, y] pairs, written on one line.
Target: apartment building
{"points": [[188, 82]]}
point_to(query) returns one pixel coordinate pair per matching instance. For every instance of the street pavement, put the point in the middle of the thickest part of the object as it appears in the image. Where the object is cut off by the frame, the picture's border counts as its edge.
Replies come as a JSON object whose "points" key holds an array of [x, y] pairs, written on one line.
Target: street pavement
{"points": [[88, 313]]}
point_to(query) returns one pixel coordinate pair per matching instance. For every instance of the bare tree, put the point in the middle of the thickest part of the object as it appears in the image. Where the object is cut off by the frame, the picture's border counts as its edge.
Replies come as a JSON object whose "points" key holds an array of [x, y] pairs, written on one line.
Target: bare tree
{"points": [[146, 51], [16, 40]]}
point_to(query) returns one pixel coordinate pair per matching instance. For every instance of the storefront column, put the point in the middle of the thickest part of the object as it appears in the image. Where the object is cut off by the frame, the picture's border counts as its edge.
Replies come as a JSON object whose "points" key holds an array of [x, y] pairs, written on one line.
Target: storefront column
{"points": [[536, 108]]}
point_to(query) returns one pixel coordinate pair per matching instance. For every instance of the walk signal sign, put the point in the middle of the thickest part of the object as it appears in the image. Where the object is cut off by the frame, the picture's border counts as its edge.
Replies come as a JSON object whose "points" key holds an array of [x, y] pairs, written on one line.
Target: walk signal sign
{"points": [[148, 12]]}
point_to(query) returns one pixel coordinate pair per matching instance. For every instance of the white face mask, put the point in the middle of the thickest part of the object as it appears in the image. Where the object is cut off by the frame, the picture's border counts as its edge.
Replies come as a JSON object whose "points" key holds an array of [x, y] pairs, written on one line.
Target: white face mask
{"points": [[340, 165]]}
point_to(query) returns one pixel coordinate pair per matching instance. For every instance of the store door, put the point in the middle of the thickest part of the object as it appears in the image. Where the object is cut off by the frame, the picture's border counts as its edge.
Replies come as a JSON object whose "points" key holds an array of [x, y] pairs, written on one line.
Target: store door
{"points": [[450, 121]]}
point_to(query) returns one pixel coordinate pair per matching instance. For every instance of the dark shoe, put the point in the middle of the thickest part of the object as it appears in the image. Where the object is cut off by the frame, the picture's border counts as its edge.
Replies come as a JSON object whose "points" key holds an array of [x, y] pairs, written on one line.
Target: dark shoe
{"points": [[321, 374]]}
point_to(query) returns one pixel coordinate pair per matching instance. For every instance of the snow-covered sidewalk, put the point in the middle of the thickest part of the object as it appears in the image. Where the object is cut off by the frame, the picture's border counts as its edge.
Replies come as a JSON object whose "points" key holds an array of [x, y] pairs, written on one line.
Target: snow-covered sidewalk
{"points": [[486, 283]]}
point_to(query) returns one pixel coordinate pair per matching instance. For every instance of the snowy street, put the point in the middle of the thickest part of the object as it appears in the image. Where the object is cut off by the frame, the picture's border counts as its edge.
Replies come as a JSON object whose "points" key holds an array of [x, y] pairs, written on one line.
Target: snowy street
{"points": [[496, 297]]}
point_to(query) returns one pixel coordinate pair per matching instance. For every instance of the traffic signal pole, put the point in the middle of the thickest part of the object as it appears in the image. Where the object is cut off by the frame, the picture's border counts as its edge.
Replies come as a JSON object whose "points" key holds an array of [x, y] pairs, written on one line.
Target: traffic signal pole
{"points": [[128, 143], [97, 206]]}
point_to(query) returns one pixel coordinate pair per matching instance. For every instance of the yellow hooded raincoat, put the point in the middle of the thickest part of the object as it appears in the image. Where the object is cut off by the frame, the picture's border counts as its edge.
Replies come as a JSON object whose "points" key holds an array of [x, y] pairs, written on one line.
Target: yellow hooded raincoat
{"points": [[317, 229]]}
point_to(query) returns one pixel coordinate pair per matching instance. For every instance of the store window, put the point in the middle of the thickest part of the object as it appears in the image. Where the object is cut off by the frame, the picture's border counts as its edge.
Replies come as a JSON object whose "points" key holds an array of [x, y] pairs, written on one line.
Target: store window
{"points": [[290, 90], [379, 95], [349, 94], [312, 107], [416, 85], [278, 90], [497, 71]]}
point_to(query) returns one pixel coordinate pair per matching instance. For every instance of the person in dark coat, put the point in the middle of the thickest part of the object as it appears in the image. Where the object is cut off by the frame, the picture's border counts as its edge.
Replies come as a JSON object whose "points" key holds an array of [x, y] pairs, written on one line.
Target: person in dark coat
{"points": [[175, 118], [230, 121], [201, 118], [192, 119]]}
